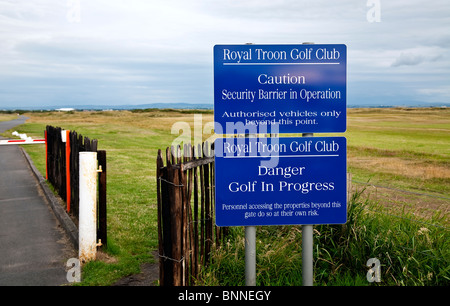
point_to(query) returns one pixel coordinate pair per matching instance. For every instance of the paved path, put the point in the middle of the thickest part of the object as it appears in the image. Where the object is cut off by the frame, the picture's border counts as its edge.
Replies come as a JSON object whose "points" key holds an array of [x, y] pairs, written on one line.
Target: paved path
{"points": [[33, 247]]}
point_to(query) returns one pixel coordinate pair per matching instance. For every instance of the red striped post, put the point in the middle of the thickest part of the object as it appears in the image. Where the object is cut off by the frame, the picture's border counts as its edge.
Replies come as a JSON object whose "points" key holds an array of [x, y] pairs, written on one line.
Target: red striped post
{"points": [[46, 155], [68, 189]]}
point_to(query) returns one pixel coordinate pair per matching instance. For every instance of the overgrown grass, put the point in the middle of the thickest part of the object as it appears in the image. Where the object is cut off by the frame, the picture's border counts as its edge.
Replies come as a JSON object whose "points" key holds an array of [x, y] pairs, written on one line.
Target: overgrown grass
{"points": [[410, 252]]}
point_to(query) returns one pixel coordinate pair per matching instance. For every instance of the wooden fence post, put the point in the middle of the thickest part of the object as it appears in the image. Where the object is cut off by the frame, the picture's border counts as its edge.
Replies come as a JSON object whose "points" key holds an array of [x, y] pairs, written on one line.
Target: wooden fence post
{"points": [[102, 214], [46, 154], [159, 177]]}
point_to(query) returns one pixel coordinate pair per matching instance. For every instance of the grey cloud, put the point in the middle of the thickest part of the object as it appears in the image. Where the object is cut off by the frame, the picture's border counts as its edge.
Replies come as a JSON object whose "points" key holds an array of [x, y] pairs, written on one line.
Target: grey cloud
{"points": [[408, 59], [413, 59], [150, 51]]}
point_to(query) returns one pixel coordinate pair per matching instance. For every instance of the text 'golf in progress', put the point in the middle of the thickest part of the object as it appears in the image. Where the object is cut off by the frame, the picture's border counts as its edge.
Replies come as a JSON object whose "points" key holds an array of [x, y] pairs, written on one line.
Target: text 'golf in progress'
{"points": [[277, 181]]}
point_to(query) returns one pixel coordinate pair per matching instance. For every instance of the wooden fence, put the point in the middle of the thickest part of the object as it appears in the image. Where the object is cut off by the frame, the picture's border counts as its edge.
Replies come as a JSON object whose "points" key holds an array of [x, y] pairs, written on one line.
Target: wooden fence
{"points": [[65, 180], [186, 229]]}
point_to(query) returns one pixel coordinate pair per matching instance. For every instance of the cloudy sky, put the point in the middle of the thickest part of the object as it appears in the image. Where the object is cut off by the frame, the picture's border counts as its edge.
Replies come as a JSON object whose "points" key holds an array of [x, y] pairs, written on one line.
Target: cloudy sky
{"points": [[112, 52]]}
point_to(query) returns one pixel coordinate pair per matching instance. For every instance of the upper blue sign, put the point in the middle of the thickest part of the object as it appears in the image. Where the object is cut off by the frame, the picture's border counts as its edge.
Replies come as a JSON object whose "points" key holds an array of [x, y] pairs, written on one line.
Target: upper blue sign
{"points": [[280, 88]]}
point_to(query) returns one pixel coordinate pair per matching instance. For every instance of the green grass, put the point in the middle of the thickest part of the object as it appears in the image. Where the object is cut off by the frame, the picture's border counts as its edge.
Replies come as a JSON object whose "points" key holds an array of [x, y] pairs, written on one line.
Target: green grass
{"points": [[401, 148]]}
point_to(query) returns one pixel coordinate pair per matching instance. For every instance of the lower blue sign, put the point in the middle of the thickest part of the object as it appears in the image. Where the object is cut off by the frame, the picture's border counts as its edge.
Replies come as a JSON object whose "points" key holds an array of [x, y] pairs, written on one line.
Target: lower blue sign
{"points": [[278, 181]]}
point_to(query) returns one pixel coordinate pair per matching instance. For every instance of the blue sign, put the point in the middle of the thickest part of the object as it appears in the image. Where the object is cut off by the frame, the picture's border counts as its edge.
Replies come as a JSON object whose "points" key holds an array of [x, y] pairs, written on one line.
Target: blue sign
{"points": [[295, 88], [276, 181]]}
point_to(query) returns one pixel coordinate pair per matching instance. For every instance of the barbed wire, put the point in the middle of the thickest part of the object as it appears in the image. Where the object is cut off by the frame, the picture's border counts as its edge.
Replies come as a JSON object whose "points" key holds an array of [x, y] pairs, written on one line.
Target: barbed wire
{"points": [[171, 183], [172, 259]]}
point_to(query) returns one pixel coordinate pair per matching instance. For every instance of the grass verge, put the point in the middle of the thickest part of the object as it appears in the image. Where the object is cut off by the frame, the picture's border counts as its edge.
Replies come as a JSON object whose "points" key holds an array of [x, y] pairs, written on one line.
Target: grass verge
{"points": [[410, 252]]}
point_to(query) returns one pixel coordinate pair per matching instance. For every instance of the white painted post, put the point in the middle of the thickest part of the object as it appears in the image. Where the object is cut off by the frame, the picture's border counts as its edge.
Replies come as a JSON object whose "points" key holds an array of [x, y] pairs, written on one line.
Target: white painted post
{"points": [[88, 206], [63, 136]]}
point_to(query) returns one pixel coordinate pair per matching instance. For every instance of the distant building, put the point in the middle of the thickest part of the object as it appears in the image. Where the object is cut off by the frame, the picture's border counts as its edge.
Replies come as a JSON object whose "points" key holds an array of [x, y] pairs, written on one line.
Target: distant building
{"points": [[65, 109]]}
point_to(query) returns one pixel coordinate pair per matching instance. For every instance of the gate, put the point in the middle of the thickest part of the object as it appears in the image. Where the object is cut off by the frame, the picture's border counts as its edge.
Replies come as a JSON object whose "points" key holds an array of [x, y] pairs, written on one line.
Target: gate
{"points": [[186, 228]]}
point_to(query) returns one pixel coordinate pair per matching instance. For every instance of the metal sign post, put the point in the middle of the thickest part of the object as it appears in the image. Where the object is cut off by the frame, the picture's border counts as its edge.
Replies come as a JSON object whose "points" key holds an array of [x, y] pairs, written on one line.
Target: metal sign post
{"points": [[250, 255], [307, 248], [307, 255]]}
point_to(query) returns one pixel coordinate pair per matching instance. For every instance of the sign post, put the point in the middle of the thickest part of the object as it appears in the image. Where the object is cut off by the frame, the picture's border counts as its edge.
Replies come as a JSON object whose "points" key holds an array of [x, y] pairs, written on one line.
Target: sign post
{"points": [[276, 89], [307, 248], [250, 255]]}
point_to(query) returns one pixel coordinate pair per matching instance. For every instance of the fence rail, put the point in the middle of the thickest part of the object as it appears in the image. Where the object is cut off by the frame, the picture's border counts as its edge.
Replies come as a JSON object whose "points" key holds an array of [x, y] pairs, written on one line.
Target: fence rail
{"points": [[186, 229], [62, 171]]}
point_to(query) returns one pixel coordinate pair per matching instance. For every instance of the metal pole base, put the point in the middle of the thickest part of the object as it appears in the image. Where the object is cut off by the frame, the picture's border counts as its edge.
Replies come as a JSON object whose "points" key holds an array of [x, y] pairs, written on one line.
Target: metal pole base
{"points": [[307, 255], [250, 256]]}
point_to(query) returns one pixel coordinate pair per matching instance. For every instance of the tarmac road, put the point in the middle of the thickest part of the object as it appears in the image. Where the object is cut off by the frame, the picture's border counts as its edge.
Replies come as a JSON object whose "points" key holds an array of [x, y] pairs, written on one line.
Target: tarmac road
{"points": [[34, 248]]}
